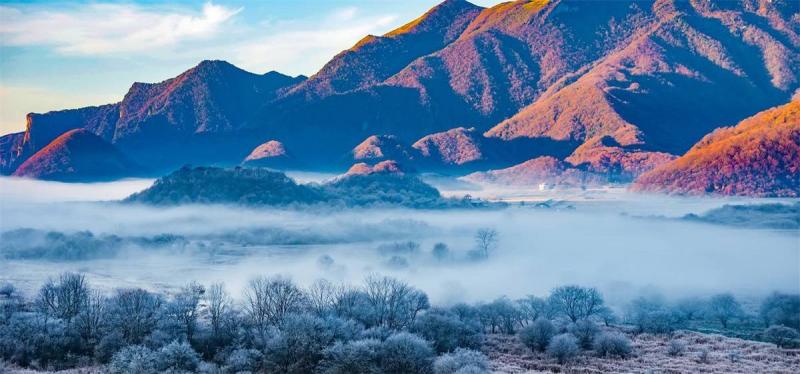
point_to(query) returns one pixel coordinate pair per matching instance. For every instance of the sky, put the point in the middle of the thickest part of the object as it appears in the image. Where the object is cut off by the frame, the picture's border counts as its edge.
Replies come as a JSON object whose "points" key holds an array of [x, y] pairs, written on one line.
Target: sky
{"points": [[68, 54]]}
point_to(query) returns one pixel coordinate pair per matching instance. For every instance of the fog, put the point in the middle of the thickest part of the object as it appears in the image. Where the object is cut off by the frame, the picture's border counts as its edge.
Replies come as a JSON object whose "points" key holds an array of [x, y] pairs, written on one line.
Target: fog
{"points": [[620, 243]]}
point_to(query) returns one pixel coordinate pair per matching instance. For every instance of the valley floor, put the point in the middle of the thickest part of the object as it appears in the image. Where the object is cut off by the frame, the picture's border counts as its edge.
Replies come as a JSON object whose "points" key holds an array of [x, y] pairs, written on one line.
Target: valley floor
{"points": [[725, 355]]}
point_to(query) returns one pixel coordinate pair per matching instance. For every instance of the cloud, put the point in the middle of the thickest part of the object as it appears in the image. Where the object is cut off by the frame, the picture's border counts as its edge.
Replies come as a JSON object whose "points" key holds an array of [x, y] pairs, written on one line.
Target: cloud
{"points": [[99, 29], [18, 101], [302, 48]]}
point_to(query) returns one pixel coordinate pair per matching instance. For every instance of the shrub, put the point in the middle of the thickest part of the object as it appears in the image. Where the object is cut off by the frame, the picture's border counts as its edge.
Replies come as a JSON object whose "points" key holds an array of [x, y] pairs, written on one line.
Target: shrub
{"points": [[243, 360], [613, 344], [133, 359], [703, 356], [109, 345], [177, 357], [676, 348], [651, 314], [447, 332], [585, 330], [563, 348], [355, 357], [460, 361], [537, 335], [405, 353], [782, 336]]}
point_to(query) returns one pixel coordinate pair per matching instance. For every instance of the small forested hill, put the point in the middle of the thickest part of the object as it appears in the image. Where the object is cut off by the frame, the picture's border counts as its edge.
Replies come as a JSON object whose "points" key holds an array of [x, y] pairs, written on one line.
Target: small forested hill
{"points": [[263, 187]]}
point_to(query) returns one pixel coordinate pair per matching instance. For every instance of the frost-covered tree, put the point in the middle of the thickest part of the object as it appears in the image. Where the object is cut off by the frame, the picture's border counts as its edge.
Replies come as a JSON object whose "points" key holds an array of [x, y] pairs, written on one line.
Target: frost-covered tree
{"points": [[134, 313], [612, 344], [64, 297], [781, 309], [269, 300], [723, 308], [354, 357], [575, 302], [447, 332], [393, 303]]}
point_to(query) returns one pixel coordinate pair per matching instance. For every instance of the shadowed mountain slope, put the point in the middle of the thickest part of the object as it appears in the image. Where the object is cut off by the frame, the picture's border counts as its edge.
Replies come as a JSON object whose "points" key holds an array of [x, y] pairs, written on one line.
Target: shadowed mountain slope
{"points": [[77, 156]]}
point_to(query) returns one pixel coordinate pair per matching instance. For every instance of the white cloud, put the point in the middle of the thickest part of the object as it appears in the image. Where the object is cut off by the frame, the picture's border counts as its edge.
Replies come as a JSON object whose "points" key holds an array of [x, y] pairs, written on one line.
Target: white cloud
{"points": [[98, 29], [304, 48], [18, 101]]}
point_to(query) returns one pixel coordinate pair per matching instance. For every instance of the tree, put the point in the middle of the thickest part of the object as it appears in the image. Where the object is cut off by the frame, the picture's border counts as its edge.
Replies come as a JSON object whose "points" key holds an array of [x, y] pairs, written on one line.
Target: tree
{"points": [[321, 297], [354, 357], [781, 309], [585, 330], [393, 303], [531, 308], [184, 309], [269, 300], [486, 241], [134, 313], [576, 302], [440, 251], [723, 308], [64, 298], [219, 305]]}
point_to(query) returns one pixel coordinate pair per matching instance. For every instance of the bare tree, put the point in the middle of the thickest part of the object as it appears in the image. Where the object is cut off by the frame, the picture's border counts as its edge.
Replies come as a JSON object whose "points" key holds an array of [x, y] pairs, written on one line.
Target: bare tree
{"points": [[134, 313], [531, 308], [486, 241], [723, 308], [64, 298], [394, 304], [322, 296], [219, 304], [184, 308], [269, 300], [91, 320], [576, 302]]}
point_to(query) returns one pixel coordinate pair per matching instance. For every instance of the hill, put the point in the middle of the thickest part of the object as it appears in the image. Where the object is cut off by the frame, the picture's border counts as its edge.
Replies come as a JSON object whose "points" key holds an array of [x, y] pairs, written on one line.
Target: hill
{"points": [[760, 157], [263, 187], [77, 156]]}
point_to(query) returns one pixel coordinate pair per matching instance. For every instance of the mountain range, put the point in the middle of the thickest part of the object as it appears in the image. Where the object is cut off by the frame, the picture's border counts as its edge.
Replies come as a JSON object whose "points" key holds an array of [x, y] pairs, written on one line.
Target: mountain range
{"points": [[604, 89]]}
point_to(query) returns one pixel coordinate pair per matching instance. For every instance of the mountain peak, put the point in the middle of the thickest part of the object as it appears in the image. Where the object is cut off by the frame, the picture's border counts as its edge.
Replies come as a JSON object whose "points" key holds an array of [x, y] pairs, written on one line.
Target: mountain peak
{"points": [[436, 17]]}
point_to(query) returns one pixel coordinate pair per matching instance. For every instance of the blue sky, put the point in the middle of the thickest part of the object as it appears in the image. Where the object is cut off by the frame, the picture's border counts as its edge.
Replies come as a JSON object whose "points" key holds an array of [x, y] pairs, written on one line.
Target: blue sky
{"points": [[58, 55]]}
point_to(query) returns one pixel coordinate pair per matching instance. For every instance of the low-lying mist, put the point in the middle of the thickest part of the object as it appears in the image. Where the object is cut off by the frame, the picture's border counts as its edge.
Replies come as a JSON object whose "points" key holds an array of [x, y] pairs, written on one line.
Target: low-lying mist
{"points": [[602, 239]]}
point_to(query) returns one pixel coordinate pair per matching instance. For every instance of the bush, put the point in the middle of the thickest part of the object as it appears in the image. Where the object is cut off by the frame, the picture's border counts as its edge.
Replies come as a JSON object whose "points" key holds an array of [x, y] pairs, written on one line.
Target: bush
{"points": [[440, 251], [585, 330], [177, 357], [703, 356], [298, 345], [355, 357], [613, 344], [447, 332], [537, 335], [133, 359], [460, 361], [243, 360], [676, 348], [109, 345], [405, 353], [563, 348], [782, 336]]}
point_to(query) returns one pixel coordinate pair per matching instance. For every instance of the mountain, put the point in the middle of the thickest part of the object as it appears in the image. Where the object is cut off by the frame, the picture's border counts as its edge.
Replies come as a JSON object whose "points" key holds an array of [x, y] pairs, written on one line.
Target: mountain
{"points": [[382, 147], [760, 156], [540, 170], [383, 167], [476, 89], [77, 156], [269, 154]]}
